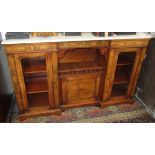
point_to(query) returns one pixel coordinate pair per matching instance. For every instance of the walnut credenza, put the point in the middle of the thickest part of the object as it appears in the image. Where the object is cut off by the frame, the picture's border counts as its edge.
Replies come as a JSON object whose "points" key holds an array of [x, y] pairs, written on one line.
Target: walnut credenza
{"points": [[51, 77]]}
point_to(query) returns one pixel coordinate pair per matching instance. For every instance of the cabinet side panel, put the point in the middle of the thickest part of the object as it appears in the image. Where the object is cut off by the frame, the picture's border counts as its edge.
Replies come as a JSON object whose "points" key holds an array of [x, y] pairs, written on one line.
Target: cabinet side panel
{"points": [[142, 56], [21, 80], [134, 70], [12, 68]]}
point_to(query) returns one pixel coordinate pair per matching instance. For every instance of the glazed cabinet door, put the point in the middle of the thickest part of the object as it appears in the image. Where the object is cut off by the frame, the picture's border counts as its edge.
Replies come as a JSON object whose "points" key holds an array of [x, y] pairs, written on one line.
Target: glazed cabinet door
{"points": [[34, 71], [121, 72]]}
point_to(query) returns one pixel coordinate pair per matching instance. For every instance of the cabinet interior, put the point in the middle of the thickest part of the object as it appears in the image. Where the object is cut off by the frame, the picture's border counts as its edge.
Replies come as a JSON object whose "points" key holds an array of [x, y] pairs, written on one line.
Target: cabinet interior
{"points": [[36, 82], [123, 73], [34, 65], [38, 99], [81, 60]]}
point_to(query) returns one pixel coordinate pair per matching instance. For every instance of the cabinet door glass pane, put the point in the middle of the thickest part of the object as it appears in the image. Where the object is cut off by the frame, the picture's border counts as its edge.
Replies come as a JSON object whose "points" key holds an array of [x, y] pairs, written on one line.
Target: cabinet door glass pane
{"points": [[123, 72], [35, 78]]}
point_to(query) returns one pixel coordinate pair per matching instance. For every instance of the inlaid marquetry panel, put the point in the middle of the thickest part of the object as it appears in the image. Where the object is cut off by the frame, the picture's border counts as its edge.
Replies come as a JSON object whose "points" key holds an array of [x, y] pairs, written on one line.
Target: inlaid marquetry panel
{"points": [[129, 43], [83, 44], [78, 88], [20, 48]]}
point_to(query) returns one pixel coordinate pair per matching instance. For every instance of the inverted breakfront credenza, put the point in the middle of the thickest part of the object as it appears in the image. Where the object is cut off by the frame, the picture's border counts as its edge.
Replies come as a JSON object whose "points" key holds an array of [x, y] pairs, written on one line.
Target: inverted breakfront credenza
{"points": [[49, 77]]}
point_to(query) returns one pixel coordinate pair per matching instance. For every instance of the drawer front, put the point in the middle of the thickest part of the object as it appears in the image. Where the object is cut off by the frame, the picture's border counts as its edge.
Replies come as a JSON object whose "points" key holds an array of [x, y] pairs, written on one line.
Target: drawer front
{"points": [[46, 46], [30, 47], [129, 43], [18, 48], [83, 44]]}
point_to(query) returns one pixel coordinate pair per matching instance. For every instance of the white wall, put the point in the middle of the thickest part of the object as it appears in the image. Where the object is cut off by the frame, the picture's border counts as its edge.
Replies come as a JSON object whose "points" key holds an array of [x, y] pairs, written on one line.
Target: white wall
{"points": [[5, 79]]}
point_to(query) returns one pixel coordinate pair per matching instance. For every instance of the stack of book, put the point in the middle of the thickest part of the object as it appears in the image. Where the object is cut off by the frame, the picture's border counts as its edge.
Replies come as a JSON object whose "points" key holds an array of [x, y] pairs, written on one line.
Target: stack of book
{"points": [[17, 35], [43, 34], [72, 33], [102, 34], [125, 33]]}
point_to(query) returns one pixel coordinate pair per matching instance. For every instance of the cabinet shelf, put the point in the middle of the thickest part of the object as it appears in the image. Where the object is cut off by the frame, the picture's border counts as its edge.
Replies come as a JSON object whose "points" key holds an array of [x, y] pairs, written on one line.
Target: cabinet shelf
{"points": [[119, 90], [121, 78], [34, 65], [126, 58], [36, 85], [38, 100], [122, 74], [124, 64], [79, 67]]}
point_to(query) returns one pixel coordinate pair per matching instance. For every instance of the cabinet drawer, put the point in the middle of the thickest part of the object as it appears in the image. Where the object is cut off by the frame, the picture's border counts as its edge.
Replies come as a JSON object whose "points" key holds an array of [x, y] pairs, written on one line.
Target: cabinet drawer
{"points": [[129, 43], [18, 48], [83, 44], [30, 47], [46, 46]]}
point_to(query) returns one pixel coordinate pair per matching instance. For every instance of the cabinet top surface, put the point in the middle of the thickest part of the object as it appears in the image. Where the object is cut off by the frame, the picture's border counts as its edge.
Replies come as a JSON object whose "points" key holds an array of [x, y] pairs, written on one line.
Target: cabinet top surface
{"points": [[84, 37]]}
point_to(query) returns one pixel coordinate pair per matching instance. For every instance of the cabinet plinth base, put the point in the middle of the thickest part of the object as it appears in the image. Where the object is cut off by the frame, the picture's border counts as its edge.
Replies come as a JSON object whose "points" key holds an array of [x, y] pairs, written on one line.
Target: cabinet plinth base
{"points": [[77, 105], [116, 101], [39, 111]]}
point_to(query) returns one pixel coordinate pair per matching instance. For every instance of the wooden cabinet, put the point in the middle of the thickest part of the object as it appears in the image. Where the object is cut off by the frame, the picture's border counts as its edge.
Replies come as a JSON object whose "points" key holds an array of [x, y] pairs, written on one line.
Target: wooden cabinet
{"points": [[51, 77]]}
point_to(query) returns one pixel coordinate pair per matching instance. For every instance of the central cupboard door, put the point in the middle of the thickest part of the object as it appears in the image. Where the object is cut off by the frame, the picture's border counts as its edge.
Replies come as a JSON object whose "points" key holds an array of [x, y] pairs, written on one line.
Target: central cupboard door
{"points": [[34, 73], [80, 89]]}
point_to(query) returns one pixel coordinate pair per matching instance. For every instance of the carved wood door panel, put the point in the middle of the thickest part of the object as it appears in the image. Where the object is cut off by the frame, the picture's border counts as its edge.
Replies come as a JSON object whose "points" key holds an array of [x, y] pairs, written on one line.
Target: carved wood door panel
{"points": [[34, 71], [80, 89]]}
